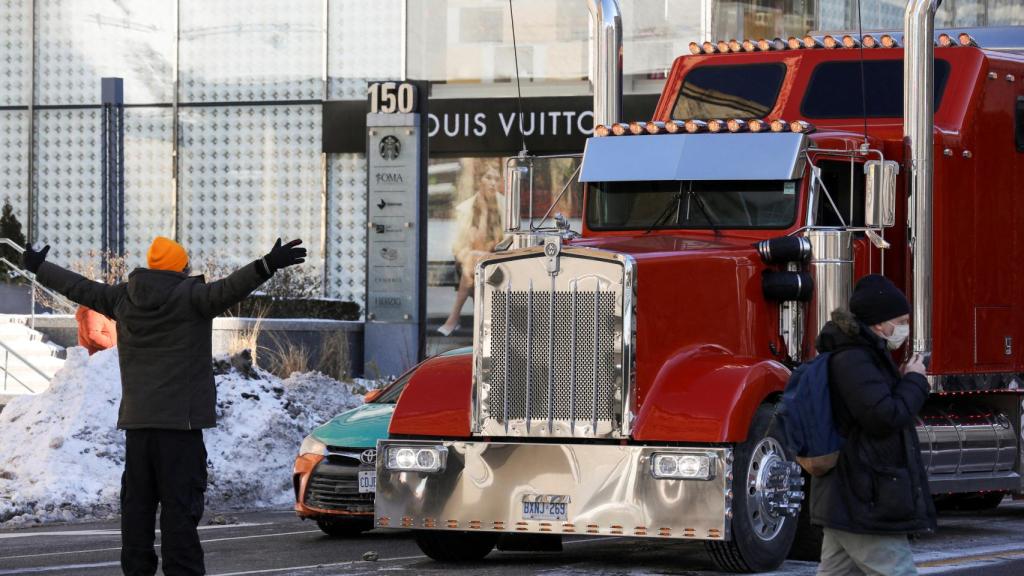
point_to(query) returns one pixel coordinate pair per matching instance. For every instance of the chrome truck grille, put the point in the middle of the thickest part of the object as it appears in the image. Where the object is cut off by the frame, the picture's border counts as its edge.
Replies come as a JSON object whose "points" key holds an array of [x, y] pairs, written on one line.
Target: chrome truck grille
{"points": [[553, 350]]}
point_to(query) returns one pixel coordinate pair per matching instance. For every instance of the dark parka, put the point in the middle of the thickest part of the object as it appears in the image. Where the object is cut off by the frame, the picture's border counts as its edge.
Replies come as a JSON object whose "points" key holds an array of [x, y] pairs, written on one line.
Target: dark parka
{"points": [[879, 485], [164, 338]]}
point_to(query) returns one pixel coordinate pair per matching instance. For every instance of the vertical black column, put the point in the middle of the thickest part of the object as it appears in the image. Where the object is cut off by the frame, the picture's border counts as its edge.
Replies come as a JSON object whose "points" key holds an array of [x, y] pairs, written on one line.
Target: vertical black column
{"points": [[113, 168]]}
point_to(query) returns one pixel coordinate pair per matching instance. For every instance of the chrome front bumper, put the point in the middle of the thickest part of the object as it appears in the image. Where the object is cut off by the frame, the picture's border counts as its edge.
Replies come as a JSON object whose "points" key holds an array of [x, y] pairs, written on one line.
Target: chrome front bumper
{"points": [[610, 490]]}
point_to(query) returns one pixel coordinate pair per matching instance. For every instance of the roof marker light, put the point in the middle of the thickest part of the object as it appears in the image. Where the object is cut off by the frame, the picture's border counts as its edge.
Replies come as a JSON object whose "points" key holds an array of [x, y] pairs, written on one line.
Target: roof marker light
{"points": [[715, 126], [830, 42], [946, 41], [723, 46], [779, 44], [757, 125], [801, 127], [735, 46], [736, 125], [674, 126], [694, 126], [601, 131], [811, 42], [637, 128], [850, 41], [620, 128], [695, 48], [709, 47], [749, 46], [967, 40], [889, 42], [779, 125], [794, 43], [868, 41], [654, 127], [765, 45]]}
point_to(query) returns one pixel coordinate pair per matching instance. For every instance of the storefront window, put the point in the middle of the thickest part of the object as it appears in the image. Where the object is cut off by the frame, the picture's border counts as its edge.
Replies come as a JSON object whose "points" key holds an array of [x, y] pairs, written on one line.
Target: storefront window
{"points": [[466, 212]]}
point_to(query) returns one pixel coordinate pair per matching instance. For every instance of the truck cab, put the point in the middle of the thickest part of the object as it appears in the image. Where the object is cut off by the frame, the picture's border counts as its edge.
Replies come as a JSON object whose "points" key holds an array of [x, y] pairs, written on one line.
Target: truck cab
{"points": [[624, 377]]}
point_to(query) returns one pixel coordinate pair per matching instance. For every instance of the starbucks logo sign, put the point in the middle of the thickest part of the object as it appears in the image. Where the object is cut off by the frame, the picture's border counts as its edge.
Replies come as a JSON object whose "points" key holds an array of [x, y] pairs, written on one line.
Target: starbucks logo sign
{"points": [[390, 148]]}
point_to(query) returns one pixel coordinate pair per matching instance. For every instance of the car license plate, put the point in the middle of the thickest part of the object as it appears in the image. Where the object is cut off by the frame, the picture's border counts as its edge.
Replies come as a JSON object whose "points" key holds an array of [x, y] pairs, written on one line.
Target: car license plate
{"points": [[367, 481], [545, 507]]}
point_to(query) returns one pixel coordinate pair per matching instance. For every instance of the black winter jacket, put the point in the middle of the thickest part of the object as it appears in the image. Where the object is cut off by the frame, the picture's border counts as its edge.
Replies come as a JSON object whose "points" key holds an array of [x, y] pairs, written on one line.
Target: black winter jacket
{"points": [[164, 338], [879, 485]]}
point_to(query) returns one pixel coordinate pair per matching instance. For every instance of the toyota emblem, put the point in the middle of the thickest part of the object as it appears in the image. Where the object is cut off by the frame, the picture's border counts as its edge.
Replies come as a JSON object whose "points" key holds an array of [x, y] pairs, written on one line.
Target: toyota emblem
{"points": [[368, 456]]}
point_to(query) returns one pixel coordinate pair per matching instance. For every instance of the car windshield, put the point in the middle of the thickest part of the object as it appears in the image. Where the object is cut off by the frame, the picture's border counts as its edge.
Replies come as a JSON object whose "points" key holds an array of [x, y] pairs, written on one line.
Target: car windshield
{"points": [[691, 204]]}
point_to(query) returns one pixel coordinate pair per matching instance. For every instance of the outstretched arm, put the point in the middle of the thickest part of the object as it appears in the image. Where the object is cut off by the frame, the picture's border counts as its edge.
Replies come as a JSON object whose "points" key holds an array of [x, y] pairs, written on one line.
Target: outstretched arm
{"points": [[100, 297], [214, 298]]}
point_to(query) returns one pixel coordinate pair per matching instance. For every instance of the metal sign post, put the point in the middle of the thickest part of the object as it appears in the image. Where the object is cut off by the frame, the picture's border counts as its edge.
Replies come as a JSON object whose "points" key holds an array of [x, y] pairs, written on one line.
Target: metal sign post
{"points": [[396, 239]]}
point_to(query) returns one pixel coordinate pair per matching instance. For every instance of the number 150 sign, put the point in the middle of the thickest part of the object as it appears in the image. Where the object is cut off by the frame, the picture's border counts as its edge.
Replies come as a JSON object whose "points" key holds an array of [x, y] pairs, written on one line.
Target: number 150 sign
{"points": [[392, 97]]}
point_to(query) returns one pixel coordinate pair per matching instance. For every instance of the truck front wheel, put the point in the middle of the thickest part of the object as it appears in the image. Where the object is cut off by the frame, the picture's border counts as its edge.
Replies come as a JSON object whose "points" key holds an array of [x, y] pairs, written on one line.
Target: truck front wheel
{"points": [[455, 546], [765, 485]]}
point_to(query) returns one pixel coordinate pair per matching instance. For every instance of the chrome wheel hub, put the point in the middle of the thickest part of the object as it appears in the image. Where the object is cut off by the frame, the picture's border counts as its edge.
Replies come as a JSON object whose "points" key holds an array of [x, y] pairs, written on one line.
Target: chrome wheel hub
{"points": [[774, 488]]}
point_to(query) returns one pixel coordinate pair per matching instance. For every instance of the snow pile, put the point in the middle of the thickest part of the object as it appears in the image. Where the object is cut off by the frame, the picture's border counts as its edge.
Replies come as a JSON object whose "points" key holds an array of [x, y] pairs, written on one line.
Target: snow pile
{"points": [[61, 455]]}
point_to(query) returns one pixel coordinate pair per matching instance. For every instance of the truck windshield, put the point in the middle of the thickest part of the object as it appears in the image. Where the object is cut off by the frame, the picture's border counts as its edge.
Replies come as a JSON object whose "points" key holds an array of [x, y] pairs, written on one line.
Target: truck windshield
{"points": [[707, 204]]}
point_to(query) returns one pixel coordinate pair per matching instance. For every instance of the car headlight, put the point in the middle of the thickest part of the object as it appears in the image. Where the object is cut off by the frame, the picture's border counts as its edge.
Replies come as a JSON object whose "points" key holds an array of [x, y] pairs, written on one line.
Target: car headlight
{"points": [[416, 458], [311, 445], [683, 466]]}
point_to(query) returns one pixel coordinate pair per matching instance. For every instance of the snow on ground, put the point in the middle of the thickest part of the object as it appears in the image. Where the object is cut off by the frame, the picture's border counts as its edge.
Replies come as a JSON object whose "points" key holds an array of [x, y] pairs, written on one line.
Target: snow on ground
{"points": [[61, 455]]}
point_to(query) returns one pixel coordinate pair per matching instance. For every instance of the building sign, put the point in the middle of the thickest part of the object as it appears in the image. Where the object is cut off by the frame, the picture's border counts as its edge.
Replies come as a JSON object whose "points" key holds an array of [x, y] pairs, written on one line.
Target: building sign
{"points": [[393, 162], [488, 126]]}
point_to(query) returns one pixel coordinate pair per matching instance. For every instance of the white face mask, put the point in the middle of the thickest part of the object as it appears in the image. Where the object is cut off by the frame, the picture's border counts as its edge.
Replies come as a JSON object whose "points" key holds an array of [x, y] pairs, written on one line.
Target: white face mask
{"points": [[899, 335]]}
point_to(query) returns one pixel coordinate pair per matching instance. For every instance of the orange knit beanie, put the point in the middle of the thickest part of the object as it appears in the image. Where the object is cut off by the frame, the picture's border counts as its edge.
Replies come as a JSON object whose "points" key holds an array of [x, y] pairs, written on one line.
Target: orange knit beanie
{"points": [[166, 254]]}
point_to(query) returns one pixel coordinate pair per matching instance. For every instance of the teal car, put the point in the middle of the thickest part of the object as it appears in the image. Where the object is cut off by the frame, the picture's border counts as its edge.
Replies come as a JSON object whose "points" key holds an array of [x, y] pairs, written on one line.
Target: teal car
{"points": [[335, 472]]}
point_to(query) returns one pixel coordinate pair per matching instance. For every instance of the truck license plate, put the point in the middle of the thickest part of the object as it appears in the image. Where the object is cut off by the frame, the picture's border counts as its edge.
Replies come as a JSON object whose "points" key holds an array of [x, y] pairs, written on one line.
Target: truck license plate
{"points": [[545, 507], [367, 481]]}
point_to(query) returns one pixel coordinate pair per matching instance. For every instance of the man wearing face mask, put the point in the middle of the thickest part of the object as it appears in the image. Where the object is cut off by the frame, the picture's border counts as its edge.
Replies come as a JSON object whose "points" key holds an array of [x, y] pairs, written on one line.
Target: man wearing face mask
{"points": [[878, 492]]}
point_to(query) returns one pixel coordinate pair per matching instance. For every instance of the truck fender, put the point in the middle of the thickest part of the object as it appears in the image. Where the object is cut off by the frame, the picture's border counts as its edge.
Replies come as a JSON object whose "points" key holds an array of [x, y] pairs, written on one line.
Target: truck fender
{"points": [[706, 394], [437, 400]]}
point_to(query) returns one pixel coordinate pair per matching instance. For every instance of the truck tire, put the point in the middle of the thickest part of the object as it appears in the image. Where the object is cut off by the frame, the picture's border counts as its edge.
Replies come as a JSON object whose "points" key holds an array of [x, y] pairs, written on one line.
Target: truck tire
{"points": [[456, 546], [344, 527], [761, 533]]}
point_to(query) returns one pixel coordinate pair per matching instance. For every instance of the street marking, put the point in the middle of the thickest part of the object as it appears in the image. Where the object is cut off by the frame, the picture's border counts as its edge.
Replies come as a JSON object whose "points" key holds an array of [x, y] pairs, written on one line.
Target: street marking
{"points": [[312, 566], [927, 558], [157, 545], [115, 532], [937, 566], [63, 567]]}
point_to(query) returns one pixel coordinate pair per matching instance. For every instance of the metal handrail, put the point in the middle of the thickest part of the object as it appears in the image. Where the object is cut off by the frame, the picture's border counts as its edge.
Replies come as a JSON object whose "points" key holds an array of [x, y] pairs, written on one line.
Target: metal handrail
{"points": [[32, 279], [10, 351]]}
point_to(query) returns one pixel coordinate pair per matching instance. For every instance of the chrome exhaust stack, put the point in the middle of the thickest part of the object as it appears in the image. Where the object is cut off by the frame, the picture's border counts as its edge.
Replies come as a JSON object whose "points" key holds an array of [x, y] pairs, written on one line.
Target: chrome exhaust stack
{"points": [[918, 126], [606, 69]]}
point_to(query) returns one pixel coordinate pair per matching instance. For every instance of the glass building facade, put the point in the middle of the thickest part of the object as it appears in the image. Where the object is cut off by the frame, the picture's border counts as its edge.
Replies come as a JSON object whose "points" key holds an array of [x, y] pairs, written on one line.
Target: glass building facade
{"points": [[226, 99]]}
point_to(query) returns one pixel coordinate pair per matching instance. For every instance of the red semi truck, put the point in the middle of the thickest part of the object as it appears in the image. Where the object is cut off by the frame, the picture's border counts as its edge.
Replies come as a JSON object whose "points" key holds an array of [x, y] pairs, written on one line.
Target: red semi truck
{"points": [[623, 380]]}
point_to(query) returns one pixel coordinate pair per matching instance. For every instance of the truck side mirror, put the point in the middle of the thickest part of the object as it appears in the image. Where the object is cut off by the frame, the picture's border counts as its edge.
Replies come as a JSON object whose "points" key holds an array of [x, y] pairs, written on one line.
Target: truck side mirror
{"points": [[518, 175], [880, 193]]}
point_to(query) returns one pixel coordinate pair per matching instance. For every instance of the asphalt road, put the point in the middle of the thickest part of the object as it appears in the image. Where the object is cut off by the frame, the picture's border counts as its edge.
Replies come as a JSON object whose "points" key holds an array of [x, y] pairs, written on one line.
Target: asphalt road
{"points": [[276, 542]]}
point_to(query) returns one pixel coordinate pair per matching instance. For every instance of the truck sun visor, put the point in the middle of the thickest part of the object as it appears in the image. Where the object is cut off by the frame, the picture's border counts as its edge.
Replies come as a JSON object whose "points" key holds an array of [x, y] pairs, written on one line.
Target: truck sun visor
{"points": [[786, 286], [704, 156]]}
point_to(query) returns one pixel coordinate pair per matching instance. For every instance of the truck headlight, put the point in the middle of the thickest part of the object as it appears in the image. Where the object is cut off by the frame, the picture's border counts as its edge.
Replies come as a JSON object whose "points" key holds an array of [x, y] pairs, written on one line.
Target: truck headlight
{"points": [[311, 445], [416, 458], [683, 466]]}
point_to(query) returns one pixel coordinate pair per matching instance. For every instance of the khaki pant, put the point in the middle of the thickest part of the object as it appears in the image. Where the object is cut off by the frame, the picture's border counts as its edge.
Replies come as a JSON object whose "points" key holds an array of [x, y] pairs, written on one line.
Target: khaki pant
{"points": [[849, 554]]}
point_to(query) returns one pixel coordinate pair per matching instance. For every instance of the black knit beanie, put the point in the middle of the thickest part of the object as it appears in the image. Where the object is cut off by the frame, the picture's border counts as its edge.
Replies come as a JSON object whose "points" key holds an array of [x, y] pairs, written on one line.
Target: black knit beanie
{"points": [[876, 299]]}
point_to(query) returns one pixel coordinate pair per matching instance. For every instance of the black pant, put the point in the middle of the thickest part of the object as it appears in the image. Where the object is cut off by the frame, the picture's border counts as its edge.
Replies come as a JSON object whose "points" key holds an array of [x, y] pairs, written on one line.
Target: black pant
{"points": [[166, 467]]}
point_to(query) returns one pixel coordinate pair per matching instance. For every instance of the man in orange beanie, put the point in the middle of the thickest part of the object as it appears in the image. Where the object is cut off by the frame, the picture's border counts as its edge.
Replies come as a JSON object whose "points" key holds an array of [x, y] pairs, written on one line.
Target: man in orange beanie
{"points": [[164, 334]]}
